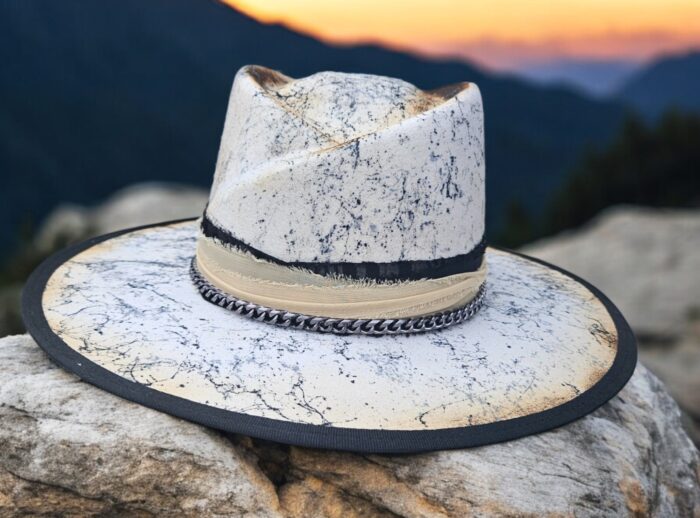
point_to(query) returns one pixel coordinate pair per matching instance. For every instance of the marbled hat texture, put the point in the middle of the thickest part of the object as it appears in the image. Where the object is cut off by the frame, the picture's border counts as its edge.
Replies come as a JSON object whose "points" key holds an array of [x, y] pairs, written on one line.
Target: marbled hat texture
{"points": [[338, 167], [128, 305]]}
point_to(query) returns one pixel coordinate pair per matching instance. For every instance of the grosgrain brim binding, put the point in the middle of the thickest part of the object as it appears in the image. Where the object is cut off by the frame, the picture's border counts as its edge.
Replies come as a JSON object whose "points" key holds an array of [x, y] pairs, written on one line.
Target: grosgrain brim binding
{"points": [[319, 436]]}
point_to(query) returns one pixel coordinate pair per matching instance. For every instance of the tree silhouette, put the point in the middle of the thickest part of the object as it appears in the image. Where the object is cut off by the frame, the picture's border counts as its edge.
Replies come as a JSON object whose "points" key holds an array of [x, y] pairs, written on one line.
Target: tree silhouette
{"points": [[658, 167]]}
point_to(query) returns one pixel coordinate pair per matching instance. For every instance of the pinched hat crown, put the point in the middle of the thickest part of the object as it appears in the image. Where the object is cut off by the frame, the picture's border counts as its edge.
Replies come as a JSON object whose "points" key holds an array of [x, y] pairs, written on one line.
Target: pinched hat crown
{"points": [[350, 168], [350, 176]]}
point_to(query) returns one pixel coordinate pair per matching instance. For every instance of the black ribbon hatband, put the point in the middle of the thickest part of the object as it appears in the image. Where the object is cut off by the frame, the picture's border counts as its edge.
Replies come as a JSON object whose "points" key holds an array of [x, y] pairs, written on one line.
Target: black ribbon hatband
{"points": [[390, 271]]}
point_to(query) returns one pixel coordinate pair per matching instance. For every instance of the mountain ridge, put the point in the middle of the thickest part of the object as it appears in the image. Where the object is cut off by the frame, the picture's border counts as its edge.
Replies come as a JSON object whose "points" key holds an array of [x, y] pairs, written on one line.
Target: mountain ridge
{"points": [[669, 82], [598, 78], [98, 96]]}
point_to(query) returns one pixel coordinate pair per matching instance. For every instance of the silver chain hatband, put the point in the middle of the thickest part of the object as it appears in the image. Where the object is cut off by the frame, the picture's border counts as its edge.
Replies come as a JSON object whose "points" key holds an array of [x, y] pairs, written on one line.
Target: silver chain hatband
{"points": [[344, 326]]}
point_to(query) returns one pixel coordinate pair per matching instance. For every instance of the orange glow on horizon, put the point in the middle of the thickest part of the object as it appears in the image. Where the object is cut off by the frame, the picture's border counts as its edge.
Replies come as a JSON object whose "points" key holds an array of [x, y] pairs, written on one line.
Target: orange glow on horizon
{"points": [[632, 29]]}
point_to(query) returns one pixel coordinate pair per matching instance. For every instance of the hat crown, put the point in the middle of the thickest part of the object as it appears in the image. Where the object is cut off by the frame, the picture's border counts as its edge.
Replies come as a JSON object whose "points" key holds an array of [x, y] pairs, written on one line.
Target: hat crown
{"points": [[368, 102], [349, 168]]}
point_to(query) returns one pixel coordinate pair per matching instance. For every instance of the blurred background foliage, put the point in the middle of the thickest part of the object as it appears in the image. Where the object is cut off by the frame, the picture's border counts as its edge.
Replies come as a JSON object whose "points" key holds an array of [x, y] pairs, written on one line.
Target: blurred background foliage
{"points": [[655, 164]]}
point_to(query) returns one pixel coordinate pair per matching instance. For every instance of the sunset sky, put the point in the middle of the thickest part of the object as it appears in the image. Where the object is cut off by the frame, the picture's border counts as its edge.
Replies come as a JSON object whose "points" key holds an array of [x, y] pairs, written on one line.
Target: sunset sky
{"points": [[497, 33]]}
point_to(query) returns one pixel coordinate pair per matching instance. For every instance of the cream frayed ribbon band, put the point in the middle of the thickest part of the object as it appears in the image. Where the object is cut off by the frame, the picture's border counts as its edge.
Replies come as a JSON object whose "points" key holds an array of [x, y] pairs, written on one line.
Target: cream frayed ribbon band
{"points": [[245, 277]]}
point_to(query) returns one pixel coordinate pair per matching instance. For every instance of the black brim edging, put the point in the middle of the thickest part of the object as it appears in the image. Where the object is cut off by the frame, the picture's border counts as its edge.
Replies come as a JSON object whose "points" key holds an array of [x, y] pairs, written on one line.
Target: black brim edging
{"points": [[316, 436]]}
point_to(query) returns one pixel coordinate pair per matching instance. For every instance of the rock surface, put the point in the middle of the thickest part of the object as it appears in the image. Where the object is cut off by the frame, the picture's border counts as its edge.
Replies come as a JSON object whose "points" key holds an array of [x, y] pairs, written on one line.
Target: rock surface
{"points": [[678, 365], [67, 448], [138, 204]]}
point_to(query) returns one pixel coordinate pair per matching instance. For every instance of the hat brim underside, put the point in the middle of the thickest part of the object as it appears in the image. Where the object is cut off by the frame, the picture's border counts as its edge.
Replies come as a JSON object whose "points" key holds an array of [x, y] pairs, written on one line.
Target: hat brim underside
{"points": [[120, 311]]}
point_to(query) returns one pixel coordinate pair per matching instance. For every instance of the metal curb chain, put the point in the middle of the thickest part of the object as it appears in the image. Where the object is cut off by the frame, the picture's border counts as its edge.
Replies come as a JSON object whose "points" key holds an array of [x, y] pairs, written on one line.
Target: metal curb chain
{"points": [[383, 326]]}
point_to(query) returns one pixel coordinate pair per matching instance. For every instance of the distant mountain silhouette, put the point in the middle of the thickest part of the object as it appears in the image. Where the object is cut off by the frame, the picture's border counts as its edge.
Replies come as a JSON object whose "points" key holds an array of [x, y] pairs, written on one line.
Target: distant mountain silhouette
{"points": [[98, 95], [595, 77], [671, 82]]}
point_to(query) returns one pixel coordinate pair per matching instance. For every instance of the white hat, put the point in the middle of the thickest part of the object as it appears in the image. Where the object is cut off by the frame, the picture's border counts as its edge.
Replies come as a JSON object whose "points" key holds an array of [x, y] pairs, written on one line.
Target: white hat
{"points": [[337, 292]]}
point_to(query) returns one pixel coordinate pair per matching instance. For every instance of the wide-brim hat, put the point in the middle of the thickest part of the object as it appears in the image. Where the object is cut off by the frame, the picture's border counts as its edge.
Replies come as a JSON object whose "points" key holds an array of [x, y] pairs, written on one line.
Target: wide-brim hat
{"points": [[508, 345]]}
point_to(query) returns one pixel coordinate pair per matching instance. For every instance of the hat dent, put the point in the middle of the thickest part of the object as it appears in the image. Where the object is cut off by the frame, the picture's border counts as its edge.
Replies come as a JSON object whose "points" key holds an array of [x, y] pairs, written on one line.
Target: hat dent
{"points": [[350, 168]]}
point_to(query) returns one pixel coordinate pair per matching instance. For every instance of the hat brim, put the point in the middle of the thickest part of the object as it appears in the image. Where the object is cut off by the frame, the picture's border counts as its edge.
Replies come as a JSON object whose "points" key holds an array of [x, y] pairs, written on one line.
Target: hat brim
{"points": [[120, 311]]}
